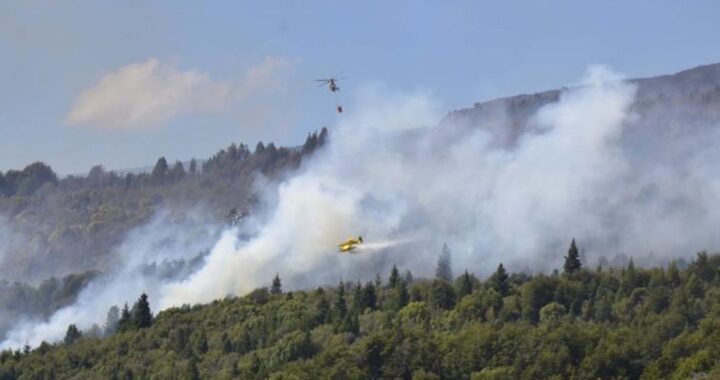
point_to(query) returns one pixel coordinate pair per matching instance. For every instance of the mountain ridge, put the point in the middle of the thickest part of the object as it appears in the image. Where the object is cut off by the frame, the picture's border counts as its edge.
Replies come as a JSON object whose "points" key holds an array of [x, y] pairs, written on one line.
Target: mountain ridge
{"points": [[690, 97]]}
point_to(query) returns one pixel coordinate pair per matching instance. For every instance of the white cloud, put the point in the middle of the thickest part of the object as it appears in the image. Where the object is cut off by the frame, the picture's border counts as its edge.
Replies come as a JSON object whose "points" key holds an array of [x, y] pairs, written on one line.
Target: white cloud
{"points": [[264, 75], [151, 93]]}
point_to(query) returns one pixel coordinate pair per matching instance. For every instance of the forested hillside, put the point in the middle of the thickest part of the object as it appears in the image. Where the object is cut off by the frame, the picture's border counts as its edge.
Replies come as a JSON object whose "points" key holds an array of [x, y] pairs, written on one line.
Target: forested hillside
{"points": [[577, 323], [54, 226]]}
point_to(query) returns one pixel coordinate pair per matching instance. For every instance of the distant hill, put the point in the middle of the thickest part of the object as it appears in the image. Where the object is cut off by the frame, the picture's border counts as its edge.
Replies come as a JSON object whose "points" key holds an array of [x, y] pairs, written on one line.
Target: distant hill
{"points": [[51, 226]]}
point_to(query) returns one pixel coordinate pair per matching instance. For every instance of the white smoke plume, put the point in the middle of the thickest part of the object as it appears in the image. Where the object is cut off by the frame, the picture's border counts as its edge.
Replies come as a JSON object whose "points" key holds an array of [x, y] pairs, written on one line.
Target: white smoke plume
{"points": [[393, 175]]}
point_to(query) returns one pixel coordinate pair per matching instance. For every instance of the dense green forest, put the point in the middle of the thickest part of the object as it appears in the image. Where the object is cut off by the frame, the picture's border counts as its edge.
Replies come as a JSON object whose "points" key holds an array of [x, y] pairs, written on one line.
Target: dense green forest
{"points": [[59, 226], [577, 323]]}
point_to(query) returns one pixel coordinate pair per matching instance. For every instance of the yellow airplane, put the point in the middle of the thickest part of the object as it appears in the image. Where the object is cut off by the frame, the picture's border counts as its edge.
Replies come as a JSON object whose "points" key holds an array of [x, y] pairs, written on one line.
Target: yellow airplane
{"points": [[350, 244]]}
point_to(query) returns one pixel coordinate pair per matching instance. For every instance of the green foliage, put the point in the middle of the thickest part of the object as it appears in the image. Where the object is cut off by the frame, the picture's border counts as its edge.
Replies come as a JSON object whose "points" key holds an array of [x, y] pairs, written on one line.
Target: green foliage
{"points": [[125, 323], [276, 287], [365, 298], [27, 181], [340, 310], [160, 171], [111, 320], [443, 270], [465, 285], [394, 279], [72, 334], [572, 260], [141, 314], [499, 280], [552, 313], [442, 295], [632, 323]]}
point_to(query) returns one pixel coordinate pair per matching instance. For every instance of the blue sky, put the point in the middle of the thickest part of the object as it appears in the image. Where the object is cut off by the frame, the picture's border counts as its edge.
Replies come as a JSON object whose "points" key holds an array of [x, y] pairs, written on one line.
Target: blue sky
{"points": [[79, 79]]}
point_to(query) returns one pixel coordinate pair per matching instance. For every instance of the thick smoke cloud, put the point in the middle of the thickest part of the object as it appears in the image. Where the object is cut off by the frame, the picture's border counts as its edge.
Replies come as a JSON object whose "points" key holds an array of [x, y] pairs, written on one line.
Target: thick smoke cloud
{"points": [[407, 184], [391, 173]]}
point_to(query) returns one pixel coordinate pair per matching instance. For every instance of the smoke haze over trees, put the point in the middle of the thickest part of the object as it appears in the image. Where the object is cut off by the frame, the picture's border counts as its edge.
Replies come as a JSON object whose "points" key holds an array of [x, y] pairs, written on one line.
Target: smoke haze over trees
{"points": [[71, 224]]}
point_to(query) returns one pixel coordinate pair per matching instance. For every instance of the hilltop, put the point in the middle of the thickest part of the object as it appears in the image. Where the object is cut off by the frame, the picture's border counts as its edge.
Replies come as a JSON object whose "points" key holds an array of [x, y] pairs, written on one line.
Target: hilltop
{"points": [[665, 106]]}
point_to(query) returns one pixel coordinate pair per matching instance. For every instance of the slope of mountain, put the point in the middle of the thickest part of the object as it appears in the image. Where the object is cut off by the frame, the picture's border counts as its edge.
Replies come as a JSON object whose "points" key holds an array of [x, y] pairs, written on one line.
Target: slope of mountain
{"points": [[52, 226], [666, 106]]}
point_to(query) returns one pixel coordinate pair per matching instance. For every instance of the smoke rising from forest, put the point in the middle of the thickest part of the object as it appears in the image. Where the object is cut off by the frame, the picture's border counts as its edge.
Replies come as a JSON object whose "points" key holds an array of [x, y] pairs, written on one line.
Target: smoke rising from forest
{"points": [[392, 173], [165, 249]]}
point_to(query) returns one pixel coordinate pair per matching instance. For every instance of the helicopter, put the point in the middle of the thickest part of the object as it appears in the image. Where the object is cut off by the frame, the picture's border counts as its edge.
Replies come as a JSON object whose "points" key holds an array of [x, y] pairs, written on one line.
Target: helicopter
{"points": [[350, 244], [332, 85]]}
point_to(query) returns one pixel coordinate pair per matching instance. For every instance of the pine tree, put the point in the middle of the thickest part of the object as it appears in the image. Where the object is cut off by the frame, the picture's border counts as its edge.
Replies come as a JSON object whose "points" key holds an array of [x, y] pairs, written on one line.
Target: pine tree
{"points": [[403, 294], [323, 311], [112, 320], [72, 334], [125, 323], [193, 167], [408, 277], [572, 260], [232, 151], [466, 285], [178, 171], [673, 274], [358, 298], [276, 287], [160, 171], [259, 148], [142, 317], [629, 278], [499, 281], [442, 295], [340, 303], [369, 296], [311, 143], [443, 271], [322, 138], [394, 279]]}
